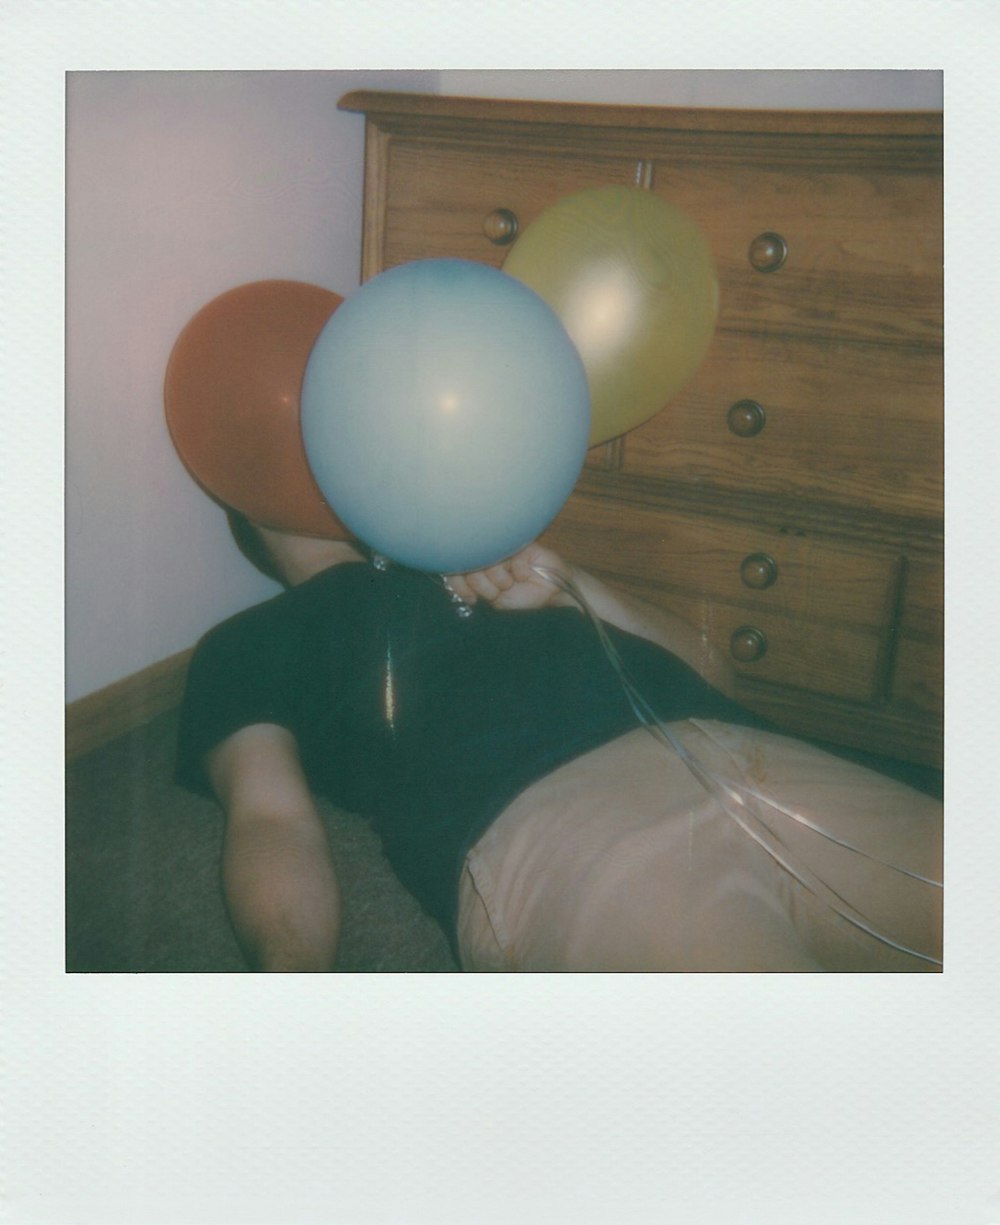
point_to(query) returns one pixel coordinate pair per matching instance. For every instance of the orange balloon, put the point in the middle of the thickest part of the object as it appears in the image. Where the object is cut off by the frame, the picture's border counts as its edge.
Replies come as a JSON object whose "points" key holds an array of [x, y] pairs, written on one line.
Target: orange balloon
{"points": [[232, 403]]}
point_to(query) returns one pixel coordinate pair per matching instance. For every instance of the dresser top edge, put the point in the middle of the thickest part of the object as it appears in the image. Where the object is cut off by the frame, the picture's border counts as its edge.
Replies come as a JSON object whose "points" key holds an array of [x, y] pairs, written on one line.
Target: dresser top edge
{"points": [[385, 104]]}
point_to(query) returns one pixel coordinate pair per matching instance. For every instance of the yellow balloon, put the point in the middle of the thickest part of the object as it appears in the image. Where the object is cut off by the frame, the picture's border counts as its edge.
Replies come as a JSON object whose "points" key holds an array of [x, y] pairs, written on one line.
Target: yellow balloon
{"points": [[633, 280]]}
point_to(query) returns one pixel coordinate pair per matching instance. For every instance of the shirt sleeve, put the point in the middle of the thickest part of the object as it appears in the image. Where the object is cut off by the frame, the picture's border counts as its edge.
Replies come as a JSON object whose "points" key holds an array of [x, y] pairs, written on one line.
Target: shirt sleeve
{"points": [[238, 677]]}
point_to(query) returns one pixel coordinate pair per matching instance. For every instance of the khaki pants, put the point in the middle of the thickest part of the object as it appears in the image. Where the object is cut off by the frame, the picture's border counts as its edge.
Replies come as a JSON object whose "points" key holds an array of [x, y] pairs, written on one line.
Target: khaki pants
{"points": [[622, 861]]}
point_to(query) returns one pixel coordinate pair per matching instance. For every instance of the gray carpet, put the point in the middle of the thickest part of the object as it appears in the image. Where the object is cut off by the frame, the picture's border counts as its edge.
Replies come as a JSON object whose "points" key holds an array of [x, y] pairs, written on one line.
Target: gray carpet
{"points": [[143, 889]]}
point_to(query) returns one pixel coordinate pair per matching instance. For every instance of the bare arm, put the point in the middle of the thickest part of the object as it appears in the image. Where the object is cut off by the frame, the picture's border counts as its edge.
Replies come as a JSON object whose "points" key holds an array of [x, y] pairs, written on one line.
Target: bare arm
{"points": [[278, 875], [517, 584]]}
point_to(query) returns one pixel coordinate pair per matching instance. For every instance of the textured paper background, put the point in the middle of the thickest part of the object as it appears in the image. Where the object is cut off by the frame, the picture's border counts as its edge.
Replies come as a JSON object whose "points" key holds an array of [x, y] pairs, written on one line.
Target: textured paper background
{"points": [[550, 1099]]}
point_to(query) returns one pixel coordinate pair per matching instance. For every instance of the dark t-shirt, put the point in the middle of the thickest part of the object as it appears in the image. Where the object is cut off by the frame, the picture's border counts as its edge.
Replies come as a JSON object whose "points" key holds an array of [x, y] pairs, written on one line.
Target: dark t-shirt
{"points": [[428, 722]]}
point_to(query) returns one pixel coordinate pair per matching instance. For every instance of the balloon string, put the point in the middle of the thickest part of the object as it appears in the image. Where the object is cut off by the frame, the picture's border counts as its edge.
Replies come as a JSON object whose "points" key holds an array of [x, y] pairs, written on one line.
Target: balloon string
{"points": [[734, 796]]}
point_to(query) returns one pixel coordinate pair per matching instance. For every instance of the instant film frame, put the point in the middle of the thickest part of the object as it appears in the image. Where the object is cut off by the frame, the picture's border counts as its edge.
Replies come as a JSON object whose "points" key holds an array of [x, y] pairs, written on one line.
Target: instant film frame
{"points": [[169, 1098]]}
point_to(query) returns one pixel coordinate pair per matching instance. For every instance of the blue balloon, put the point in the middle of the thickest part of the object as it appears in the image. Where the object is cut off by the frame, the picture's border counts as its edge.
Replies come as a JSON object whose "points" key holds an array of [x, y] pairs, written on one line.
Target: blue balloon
{"points": [[445, 414]]}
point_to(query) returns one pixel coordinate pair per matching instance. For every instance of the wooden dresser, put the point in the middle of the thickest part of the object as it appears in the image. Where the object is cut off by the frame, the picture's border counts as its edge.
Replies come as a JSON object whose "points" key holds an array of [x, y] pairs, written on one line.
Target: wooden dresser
{"points": [[790, 499]]}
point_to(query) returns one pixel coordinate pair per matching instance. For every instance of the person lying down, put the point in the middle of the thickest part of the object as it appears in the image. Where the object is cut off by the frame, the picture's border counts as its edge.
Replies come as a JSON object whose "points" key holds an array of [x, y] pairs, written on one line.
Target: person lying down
{"points": [[558, 797]]}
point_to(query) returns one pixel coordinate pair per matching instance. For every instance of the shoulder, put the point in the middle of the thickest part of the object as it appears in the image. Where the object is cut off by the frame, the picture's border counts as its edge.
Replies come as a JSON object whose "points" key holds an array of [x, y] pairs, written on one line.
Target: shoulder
{"points": [[258, 662], [248, 623], [284, 611]]}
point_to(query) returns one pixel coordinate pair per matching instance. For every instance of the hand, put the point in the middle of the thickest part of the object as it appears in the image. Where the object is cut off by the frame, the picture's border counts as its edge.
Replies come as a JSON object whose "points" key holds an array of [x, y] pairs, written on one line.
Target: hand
{"points": [[515, 583]]}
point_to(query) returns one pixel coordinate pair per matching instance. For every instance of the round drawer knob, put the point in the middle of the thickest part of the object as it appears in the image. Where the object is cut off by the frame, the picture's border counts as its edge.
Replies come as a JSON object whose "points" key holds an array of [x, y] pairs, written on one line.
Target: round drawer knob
{"points": [[746, 418], [768, 252], [748, 644], [759, 571], [500, 227]]}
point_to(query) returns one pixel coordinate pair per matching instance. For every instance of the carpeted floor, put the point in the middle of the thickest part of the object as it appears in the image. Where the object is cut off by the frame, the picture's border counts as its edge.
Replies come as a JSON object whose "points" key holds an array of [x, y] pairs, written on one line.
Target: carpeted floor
{"points": [[143, 890], [143, 887]]}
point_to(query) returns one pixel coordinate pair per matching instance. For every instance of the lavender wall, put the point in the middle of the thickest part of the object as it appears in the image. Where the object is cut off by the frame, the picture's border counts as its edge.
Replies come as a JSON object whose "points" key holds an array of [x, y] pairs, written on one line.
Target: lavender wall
{"points": [[180, 185], [763, 89]]}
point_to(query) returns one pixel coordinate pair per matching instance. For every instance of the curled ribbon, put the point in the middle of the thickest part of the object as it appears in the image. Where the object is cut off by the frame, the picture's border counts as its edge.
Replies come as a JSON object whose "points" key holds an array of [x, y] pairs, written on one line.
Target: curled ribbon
{"points": [[738, 800]]}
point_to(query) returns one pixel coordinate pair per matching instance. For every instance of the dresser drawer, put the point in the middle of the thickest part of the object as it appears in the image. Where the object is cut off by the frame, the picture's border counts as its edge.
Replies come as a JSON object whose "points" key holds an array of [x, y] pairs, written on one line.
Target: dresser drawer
{"points": [[822, 611], [841, 661], [864, 247], [844, 423], [442, 199]]}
